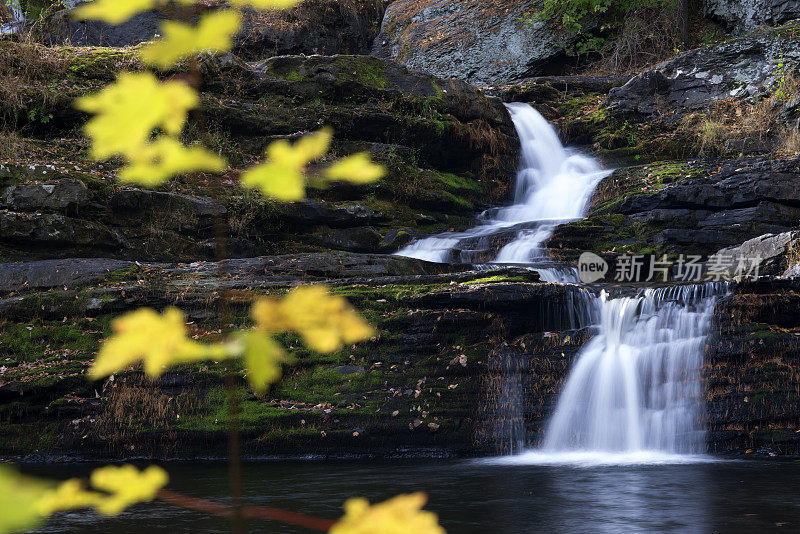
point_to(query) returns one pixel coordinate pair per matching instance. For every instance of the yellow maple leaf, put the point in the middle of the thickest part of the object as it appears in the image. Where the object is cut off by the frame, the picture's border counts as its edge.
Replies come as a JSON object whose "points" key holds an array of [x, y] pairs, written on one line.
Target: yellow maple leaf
{"points": [[19, 496], [114, 11], [355, 169], [263, 357], [153, 163], [126, 485], [282, 177], [118, 11], [215, 32], [398, 515], [159, 340], [324, 321], [276, 181], [265, 4], [69, 495], [127, 112], [303, 151]]}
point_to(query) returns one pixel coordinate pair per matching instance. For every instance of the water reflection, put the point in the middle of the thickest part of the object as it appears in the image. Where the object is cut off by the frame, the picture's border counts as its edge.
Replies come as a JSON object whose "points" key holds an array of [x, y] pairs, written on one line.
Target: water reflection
{"points": [[475, 497]]}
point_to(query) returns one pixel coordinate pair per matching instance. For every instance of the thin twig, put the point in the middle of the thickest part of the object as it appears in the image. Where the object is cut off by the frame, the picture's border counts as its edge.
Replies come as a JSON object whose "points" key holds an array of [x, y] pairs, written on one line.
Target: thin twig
{"points": [[256, 512]]}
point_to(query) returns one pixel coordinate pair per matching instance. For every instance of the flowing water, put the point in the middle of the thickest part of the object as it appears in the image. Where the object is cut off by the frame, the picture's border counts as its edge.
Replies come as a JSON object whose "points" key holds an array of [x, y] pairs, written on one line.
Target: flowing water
{"points": [[635, 391], [553, 185]]}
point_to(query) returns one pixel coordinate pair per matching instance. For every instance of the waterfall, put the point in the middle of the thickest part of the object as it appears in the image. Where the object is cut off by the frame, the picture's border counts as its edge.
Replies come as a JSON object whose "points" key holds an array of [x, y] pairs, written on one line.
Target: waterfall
{"points": [[635, 392], [553, 185]]}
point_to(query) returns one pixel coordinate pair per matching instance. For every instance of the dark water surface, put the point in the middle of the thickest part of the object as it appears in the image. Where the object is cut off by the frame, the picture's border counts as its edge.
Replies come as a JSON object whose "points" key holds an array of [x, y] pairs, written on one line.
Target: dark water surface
{"points": [[473, 497]]}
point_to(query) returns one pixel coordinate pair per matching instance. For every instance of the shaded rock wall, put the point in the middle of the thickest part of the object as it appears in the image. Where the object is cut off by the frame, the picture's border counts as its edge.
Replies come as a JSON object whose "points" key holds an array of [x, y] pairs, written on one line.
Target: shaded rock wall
{"points": [[312, 27], [687, 209], [417, 387], [753, 370]]}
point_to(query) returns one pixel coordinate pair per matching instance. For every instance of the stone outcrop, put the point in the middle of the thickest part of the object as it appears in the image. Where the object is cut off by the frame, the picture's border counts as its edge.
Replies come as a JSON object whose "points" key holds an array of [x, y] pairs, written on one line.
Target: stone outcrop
{"points": [[743, 67], [776, 253], [688, 209], [448, 149], [742, 15], [369, 97], [481, 41]]}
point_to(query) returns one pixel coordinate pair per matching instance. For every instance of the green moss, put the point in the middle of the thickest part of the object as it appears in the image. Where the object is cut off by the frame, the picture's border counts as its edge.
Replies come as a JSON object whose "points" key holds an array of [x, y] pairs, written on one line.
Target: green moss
{"points": [[30, 342], [98, 63], [123, 275], [457, 183], [639, 179], [504, 278], [372, 76]]}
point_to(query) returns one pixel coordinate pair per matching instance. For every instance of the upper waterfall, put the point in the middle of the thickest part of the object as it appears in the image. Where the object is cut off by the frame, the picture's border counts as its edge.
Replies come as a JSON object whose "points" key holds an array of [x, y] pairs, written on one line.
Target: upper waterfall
{"points": [[553, 185]]}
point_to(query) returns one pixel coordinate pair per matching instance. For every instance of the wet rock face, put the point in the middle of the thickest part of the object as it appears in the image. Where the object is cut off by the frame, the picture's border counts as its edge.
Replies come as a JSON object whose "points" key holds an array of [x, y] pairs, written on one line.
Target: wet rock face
{"points": [[752, 370], [742, 68], [741, 15], [484, 42]]}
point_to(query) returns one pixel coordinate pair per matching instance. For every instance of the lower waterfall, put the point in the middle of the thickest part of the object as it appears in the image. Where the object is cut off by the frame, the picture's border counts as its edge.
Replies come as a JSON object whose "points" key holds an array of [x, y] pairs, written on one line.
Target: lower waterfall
{"points": [[637, 385], [635, 392]]}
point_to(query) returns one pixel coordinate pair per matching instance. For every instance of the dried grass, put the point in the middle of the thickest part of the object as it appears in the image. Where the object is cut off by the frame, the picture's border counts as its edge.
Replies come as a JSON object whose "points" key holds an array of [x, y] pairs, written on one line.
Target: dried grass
{"points": [[758, 126], [138, 413], [647, 36], [23, 63], [12, 147]]}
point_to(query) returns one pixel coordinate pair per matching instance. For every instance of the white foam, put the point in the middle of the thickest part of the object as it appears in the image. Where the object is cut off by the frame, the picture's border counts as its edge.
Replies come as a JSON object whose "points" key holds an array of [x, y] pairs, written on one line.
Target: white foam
{"points": [[597, 458]]}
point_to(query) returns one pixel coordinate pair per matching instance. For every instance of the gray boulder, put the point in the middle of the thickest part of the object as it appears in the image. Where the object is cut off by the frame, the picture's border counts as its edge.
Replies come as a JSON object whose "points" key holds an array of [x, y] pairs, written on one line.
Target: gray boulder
{"points": [[61, 28], [742, 15], [777, 253], [743, 67], [480, 41], [57, 273], [45, 196], [37, 230]]}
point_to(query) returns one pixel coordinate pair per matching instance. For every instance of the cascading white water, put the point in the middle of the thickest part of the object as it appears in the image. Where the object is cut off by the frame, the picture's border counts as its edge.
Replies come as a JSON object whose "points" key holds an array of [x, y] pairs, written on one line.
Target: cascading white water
{"points": [[635, 392], [553, 185]]}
